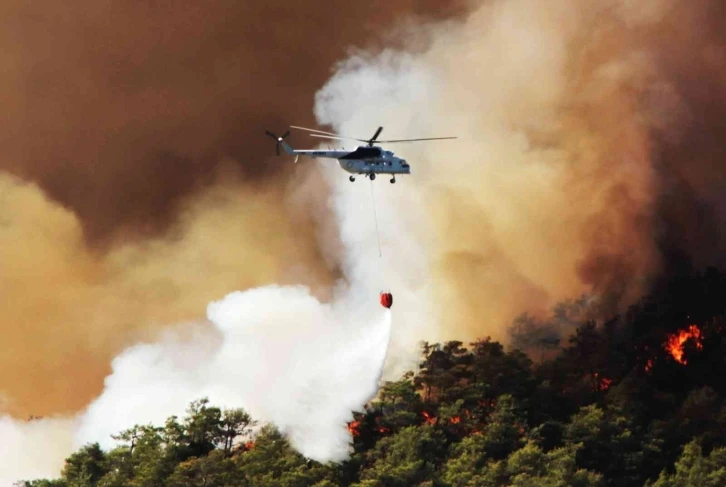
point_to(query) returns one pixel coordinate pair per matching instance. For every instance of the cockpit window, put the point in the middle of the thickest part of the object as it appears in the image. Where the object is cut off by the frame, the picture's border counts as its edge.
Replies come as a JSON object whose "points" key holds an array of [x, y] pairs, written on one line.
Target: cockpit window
{"points": [[363, 152]]}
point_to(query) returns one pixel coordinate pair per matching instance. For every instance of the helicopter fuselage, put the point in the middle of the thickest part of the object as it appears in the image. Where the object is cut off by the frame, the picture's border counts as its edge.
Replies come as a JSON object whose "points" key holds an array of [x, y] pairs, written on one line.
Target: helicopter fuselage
{"points": [[393, 165], [363, 160]]}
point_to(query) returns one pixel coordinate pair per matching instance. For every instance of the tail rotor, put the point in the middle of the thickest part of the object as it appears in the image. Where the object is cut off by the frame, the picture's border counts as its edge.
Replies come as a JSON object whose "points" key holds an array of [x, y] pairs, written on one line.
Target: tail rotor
{"points": [[277, 139]]}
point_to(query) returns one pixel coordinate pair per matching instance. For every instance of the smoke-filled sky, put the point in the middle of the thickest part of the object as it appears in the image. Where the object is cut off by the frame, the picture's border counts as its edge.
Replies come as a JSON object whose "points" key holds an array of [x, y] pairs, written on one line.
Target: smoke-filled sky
{"points": [[144, 184], [138, 187], [588, 159], [119, 109]]}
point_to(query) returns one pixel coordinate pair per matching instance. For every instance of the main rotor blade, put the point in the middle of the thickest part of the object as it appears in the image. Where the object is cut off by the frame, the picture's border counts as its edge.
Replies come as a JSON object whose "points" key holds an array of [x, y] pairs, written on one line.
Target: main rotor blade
{"points": [[339, 138], [313, 130], [271, 134], [285, 134], [378, 132], [414, 140]]}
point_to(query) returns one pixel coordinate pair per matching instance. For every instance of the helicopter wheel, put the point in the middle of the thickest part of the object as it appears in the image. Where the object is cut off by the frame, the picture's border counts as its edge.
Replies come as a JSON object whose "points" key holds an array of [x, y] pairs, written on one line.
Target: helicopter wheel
{"points": [[373, 176], [393, 180], [352, 178]]}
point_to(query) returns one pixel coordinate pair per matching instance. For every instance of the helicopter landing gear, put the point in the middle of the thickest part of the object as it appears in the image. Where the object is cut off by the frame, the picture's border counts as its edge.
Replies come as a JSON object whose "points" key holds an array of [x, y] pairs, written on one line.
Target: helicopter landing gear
{"points": [[393, 179], [352, 178], [373, 176]]}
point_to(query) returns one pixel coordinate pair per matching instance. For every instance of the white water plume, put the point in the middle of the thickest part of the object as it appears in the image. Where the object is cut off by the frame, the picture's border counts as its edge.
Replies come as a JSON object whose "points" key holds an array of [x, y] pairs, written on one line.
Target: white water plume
{"points": [[281, 354]]}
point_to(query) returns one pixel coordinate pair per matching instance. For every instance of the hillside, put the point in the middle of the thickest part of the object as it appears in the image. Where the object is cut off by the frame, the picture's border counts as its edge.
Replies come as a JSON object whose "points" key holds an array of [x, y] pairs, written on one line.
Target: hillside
{"points": [[636, 400]]}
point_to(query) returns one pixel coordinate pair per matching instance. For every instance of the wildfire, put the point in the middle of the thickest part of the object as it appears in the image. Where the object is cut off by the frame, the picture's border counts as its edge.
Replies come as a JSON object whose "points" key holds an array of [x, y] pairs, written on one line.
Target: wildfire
{"points": [[249, 445], [674, 344], [602, 384], [649, 365], [491, 403], [353, 427], [428, 419]]}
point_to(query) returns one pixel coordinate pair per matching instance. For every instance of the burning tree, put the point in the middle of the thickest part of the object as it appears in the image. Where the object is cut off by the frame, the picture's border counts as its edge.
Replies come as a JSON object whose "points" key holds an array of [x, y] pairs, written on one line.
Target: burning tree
{"points": [[676, 342]]}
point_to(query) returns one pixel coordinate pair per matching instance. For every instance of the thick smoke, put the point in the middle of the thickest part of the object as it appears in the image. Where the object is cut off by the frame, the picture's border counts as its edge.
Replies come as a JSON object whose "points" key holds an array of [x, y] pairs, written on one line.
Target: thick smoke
{"points": [[586, 149], [588, 160], [67, 310], [144, 186], [118, 110], [35, 449], [277, 351], [137, 181], [281, 353]]}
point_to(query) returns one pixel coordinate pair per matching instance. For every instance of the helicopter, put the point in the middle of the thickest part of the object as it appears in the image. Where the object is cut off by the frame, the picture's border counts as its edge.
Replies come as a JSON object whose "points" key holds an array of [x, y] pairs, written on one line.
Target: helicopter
{"points": [[368, 160]]}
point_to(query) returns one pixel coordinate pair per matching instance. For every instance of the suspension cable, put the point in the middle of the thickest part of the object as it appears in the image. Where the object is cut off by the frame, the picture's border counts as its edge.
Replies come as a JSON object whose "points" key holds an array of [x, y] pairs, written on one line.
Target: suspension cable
{"points": [[375, 219]]}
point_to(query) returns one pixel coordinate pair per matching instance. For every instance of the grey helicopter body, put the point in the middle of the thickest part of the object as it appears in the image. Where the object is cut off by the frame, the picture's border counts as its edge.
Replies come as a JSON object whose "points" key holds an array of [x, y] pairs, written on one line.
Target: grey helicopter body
{"points": [[368, 160]]}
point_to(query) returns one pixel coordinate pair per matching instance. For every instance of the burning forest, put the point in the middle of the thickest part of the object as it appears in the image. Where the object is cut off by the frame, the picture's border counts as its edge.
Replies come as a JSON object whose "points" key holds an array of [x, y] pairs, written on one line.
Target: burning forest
{"points": [[480, 410], [558, 270]]}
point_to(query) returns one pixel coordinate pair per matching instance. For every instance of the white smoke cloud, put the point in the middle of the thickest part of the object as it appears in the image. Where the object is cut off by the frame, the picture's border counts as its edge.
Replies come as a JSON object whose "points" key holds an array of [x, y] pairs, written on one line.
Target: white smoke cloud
{"points": [[282, 355], [276, 351], [33, 449]]}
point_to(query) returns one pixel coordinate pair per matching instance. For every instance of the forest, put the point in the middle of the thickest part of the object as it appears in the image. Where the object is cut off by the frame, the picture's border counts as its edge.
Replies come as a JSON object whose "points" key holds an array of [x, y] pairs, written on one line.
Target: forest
{"points": [[635, 400]]}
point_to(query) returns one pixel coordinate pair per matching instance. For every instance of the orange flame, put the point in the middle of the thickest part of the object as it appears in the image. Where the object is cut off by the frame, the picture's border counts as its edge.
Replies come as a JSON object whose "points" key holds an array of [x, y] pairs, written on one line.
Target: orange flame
{"points": [[383, 430], [428, 419], [353, 428], [455, 419], [674, 344], [491, 403], [250, 445], [649, 365], [602, 384]]}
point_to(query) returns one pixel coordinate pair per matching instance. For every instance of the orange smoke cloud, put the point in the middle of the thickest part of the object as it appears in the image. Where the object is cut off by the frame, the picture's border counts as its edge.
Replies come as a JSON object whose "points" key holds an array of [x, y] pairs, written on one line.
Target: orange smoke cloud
{"points": [[69, 310], [120, 110], [146, 187], [581, 165]]}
